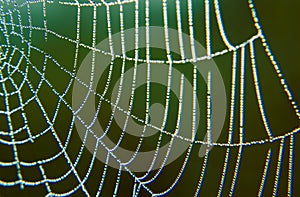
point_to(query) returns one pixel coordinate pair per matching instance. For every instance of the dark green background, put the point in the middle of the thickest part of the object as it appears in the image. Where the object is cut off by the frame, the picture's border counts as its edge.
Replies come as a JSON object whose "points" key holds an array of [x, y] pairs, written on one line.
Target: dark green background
{"points": [[280, 25]]}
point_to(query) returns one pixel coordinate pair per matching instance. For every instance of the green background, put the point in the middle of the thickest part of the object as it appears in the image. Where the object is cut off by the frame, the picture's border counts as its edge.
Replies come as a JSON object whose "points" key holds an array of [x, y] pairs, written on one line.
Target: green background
{"points": [[280, 25]]}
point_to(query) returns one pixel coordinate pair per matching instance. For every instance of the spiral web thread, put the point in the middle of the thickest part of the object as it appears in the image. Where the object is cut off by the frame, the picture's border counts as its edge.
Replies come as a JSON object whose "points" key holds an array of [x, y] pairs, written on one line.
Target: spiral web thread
{"points": [[8, 138]]}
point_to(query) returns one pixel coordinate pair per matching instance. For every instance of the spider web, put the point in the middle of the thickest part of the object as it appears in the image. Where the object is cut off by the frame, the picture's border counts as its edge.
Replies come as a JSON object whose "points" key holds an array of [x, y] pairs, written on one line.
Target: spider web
{"points": [[41, 152]]}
